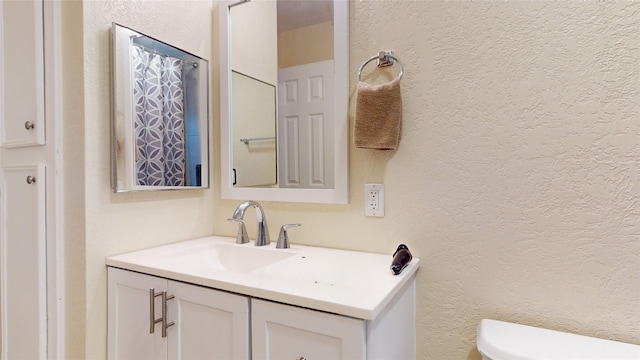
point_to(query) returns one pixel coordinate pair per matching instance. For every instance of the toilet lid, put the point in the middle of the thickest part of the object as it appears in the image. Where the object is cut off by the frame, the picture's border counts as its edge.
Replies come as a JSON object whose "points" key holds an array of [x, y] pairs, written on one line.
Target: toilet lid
{"points": [[501, 340]]}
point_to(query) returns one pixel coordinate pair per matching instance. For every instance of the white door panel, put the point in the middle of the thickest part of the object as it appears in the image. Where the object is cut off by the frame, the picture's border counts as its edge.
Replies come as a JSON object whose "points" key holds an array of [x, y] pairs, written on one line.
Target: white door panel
{"points": [[287, 332], [23, 262], [209, 324], [129, 335], [21, 73]]}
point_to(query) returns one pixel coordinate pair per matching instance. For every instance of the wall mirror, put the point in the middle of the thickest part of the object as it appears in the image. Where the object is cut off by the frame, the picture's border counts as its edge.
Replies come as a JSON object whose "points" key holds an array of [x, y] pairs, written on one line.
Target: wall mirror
{"points": [[284, 81], [160, 112]]}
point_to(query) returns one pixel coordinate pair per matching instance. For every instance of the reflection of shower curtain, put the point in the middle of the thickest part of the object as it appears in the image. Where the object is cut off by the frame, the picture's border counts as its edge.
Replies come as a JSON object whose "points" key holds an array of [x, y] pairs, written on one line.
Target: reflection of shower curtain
{"points": [[159, 119]]}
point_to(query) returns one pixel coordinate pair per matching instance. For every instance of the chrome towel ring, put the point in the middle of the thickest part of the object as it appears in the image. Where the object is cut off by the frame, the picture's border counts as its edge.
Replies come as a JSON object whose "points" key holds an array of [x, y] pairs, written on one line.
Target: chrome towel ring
{"points": [[385, 58]]}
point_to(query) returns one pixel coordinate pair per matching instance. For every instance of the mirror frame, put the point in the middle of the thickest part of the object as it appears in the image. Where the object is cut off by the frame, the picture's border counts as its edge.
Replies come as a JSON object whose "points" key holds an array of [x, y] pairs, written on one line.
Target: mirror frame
{"points": [[122, 105], [340, 193]]}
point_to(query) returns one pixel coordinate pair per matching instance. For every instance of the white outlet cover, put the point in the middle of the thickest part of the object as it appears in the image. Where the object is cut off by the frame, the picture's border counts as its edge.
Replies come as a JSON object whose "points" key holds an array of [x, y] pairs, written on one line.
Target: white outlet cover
{"points": [[374, 200]]}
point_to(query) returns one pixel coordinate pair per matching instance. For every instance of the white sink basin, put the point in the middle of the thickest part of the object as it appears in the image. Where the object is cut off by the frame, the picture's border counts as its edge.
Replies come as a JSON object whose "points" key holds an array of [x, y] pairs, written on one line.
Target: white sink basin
{"points": [[350, 283], [243, 258]]}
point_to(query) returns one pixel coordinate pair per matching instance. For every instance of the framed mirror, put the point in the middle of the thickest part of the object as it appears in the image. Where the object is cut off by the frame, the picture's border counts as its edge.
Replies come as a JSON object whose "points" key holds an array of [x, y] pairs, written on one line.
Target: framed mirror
{"points": [[160, 112], [284, 80]]}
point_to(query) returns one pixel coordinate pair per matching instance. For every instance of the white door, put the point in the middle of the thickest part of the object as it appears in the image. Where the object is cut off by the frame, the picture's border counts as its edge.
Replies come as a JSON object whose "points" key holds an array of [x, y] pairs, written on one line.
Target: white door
{"points": [[21, 73], [288, 332], [208, 324], [130, 312], [305, 125], [23, 254]]}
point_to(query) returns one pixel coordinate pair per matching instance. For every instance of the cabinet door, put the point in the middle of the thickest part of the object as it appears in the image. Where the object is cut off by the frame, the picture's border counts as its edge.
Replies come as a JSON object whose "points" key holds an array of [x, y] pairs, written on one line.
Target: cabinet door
{"points": [[21, 73], [129, 308], [288, 332], [209, 324], [22, 260]]}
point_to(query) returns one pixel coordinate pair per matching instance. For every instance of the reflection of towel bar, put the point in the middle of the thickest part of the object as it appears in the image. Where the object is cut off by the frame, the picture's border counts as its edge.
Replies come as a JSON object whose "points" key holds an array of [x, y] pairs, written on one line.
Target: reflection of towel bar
{"points": [[246, 141]]}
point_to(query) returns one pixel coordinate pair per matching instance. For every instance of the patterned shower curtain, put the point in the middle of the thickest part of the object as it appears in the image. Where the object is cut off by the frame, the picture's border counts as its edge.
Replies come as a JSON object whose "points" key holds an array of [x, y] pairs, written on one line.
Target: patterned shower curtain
{"points": [[159, 119]]}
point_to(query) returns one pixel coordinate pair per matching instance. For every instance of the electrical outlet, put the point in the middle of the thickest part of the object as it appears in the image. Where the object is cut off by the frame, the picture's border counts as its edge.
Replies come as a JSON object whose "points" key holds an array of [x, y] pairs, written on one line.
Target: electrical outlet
{"points": [[374, 200]]}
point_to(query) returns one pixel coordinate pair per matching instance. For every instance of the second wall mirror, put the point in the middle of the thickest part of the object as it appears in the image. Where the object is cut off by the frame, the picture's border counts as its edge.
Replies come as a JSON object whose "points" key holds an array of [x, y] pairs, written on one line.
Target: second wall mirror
{"points": [[160, 115], [284, 100]]}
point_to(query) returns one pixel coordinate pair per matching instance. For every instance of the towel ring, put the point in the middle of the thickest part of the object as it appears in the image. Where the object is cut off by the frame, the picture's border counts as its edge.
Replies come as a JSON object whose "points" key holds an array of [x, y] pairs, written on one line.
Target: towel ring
{"points": [[384, 59]]}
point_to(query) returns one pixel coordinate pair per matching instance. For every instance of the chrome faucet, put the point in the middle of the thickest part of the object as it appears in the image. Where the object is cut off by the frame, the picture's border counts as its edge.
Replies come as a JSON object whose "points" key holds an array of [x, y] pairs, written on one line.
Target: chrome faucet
{"points": [[263, 230], [283, 238], [241, 237]]}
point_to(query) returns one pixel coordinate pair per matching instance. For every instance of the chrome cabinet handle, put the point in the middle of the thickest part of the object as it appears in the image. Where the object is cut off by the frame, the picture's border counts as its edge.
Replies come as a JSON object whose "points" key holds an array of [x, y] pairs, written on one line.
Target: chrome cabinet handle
{"points": [[31, 179], [29, 125], [165, 325], [302, 358], [152, 314]]}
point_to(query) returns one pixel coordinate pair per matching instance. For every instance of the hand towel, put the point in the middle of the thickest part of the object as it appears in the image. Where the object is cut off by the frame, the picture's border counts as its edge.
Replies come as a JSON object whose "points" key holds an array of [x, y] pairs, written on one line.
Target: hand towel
{"points": [[378, 120]]}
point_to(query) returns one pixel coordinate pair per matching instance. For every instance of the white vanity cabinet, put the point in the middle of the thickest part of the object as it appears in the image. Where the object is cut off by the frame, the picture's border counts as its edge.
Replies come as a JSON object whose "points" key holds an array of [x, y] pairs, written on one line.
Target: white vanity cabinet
{"points": [[200, 323], [203, 323], [294, 303]]}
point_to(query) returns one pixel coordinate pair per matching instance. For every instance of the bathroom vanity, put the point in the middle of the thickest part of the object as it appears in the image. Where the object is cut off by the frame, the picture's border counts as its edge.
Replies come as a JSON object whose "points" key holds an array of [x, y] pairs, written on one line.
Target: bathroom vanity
{"points": [[211, 298]]}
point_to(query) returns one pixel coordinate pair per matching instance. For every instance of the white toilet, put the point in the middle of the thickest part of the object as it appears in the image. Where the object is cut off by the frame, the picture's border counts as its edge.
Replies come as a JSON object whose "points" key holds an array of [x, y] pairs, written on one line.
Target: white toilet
{"points": [[498, 340]]}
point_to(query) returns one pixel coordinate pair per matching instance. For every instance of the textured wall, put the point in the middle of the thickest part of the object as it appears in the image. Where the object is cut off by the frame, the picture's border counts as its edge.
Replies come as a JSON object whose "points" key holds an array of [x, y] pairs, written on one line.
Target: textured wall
{"points": [[516, 181], [255, 52], [305, 45]]}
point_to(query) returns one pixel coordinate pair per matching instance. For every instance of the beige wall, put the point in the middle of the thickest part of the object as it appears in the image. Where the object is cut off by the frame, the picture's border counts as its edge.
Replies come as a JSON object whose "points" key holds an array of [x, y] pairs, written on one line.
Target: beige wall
{"points": [[253, 105], [117, 223], [254, 40], [254, 54], [516, 181], [305, 45], [73, 125]]}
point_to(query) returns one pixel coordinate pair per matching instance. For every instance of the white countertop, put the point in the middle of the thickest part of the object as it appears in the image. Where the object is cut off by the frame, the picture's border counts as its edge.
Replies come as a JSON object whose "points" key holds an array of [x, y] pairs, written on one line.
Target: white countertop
{"points": [[350, 283]]}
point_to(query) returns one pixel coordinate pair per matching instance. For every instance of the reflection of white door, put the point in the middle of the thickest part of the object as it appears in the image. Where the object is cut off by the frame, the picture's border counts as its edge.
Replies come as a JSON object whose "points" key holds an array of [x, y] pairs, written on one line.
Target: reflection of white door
{"points": [[305, 126]]}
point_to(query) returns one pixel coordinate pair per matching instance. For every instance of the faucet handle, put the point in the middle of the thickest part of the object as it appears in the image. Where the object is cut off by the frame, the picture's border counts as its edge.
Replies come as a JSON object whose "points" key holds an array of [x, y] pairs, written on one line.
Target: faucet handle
{"points": [[283, 238], [241, 237]]}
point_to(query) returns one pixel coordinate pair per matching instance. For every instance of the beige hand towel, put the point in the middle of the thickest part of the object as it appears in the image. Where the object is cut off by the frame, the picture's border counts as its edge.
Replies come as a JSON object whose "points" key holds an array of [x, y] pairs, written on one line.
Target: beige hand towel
{"points": [[378, 122]]}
